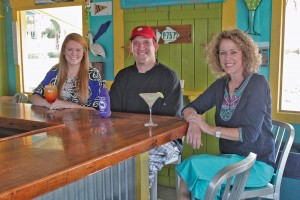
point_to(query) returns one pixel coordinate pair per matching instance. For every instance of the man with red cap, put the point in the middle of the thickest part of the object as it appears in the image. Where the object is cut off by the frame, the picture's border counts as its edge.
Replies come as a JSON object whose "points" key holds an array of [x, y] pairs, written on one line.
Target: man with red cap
{"points": [[148, 75]]}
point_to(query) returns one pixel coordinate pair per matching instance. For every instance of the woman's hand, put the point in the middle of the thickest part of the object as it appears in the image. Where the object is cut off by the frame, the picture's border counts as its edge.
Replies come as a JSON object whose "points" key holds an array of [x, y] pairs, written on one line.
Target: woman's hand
{"points": [[61, 104], [193, 136], [203, 125]]}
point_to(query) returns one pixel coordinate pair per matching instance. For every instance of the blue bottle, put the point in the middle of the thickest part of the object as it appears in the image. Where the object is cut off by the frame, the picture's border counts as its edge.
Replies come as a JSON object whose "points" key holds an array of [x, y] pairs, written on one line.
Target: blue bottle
{"points": [[104, 101]]}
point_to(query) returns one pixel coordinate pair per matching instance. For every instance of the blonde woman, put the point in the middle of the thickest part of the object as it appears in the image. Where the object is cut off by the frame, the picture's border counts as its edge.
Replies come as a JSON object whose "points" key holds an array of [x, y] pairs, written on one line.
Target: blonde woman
{"points": [[243, 119]]}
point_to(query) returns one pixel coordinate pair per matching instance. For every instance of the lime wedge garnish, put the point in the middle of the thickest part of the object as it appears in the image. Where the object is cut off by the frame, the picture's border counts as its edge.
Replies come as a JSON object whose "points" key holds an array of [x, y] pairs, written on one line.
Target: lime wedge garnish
{"points": [[160, 94]]}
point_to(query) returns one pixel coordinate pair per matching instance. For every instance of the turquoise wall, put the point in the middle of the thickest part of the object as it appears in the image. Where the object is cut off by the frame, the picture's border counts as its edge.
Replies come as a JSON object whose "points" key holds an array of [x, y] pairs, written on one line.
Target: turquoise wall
{"points": [[262, 24], [9, 46], [106, 40]]}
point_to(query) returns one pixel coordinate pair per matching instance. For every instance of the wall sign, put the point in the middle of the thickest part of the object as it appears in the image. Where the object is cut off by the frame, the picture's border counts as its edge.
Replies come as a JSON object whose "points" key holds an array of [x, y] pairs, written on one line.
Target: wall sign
{"points": [[126, 4], [173, 33], [50, 1], [101, 8]]}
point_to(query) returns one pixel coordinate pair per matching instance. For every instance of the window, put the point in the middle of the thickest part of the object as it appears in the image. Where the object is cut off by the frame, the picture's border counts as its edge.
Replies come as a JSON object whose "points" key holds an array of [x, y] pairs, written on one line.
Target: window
{"points": [[42, 36], [290, 92], [285, 58]]}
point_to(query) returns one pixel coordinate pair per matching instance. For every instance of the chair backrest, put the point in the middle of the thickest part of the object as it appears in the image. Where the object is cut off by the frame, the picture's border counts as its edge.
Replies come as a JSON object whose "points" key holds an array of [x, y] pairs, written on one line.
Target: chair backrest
{"points": [[20, 98], [284, 137], [235, 175]]}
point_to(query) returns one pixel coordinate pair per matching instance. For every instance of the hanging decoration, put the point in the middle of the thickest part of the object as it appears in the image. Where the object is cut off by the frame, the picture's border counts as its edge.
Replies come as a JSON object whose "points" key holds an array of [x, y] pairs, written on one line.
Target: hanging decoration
{"points": [[96, 49], [102, 29], [171, 34], [88, 5], [101, 8], [168, 35], [252, 5]]}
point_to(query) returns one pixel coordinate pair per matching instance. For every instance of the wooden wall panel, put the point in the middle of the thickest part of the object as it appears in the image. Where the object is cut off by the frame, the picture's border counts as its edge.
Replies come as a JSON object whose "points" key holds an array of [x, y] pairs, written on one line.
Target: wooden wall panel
{"points": [[176, 49], [163, 54], [212, 142], [200, 38], [187, 59]]}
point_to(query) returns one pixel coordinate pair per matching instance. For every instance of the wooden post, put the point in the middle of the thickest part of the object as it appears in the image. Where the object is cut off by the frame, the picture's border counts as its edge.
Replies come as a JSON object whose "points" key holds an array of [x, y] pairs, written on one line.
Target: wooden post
{"points": [[142, 176]]}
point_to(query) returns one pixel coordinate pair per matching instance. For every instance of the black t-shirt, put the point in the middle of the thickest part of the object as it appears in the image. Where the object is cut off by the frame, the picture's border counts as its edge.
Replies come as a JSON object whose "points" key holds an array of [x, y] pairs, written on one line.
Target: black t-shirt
{"points": [[129, 83]]}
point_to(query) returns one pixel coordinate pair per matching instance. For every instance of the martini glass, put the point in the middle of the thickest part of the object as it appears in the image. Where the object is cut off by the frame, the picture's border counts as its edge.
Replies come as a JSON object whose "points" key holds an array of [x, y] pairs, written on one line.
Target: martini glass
{"points": [[150, 99], [51, 95]]}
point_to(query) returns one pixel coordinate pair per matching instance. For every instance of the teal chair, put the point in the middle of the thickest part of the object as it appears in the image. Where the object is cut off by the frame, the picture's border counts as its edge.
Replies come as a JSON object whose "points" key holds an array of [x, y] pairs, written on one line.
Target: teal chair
{"points": [[234, 177], [284, 134]]}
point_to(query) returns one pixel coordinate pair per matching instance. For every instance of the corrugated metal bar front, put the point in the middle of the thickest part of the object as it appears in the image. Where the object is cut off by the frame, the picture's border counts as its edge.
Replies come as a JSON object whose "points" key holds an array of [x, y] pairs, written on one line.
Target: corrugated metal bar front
{"points": [[114, 183]]}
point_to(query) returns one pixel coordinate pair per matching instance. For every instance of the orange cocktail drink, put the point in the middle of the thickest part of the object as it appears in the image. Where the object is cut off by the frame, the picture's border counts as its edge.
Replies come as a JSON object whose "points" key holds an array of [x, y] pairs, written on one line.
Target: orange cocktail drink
{"points": [[50, 93]]}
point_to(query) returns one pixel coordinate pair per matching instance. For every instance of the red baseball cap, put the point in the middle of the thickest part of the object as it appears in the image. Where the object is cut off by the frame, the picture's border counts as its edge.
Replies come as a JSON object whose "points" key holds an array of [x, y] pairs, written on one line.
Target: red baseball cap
{"points": [[145, 31]]}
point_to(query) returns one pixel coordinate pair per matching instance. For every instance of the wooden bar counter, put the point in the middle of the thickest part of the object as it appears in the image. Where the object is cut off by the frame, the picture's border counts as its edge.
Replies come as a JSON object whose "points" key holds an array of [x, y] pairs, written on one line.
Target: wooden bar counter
{"points": [[54, 150]]}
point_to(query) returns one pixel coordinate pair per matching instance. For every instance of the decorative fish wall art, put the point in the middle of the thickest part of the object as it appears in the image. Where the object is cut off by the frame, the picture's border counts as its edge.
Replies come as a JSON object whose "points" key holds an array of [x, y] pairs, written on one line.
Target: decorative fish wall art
{"points": [[173, 34], [168, 35]]}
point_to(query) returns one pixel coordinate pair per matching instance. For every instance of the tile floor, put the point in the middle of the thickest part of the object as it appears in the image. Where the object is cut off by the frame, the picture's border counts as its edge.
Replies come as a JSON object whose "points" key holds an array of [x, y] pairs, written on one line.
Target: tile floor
{"points": [[166, 193]]}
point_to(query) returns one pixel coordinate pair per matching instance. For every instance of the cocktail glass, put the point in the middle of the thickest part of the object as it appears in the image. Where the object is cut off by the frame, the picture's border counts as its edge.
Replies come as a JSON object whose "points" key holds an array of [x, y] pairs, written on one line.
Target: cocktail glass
{"points": [[51, 95], [252, 6], [150, 99]]}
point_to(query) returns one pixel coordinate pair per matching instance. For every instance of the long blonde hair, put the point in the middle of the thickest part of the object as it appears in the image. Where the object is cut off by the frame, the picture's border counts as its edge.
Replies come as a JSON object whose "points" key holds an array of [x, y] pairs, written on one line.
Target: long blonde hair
{"points": [[83, 73]]}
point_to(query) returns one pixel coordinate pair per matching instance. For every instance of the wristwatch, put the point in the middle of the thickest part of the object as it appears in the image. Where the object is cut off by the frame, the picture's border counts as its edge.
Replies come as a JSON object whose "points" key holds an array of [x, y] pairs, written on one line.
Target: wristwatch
{"points": [[218, 132]]}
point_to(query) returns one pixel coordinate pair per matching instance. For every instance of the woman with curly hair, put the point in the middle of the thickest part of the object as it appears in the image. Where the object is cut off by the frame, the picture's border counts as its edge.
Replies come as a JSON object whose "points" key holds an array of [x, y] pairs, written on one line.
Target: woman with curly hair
{"points": [[77, 82], [242, 102]]}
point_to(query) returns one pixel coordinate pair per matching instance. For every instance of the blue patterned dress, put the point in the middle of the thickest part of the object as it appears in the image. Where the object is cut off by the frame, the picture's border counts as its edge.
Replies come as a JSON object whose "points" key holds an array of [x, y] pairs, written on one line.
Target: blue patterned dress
{"points": [[69, 90]]}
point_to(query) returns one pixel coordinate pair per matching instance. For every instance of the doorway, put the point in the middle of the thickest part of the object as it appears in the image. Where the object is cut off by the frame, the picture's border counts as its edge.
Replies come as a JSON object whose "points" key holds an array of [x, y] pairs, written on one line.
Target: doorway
{"points": [[43, 32]]}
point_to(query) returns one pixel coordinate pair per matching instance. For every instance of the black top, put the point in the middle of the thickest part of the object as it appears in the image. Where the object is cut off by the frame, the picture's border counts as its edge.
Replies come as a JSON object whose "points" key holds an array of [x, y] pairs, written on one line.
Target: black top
{"points": [[253, 114], [129, 83]]}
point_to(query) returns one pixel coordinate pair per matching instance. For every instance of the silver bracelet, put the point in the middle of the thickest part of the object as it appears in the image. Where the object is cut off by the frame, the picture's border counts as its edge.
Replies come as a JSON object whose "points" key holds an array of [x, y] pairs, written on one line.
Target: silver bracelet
{"points": [[240, 134]]}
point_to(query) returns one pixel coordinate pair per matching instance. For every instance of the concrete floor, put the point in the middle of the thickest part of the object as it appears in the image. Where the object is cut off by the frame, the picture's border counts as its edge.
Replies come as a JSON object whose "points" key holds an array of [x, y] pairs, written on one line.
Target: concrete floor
{"points": [[166, 193]]}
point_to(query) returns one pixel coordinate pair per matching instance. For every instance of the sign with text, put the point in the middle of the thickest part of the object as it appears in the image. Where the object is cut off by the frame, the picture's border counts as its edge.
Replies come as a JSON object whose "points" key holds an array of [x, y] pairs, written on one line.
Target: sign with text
{"points": [[50, 1], [173, 33]]}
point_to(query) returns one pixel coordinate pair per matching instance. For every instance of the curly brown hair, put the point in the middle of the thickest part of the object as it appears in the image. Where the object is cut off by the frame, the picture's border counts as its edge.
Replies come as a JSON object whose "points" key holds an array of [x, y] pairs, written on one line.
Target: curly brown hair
{"points": [[250, 51]]}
